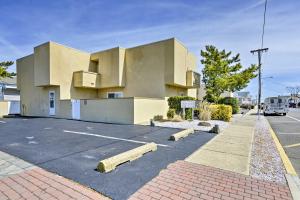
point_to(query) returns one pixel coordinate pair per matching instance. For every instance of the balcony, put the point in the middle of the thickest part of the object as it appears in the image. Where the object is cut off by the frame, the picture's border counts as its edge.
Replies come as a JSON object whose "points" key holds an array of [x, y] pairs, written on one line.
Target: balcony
{"points": [[84, 79], [192, 79]]}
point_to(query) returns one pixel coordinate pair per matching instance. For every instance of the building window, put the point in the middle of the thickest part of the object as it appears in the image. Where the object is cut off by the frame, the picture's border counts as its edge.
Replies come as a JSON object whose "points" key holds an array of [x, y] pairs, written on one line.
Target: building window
{"points": [[113, 95]]}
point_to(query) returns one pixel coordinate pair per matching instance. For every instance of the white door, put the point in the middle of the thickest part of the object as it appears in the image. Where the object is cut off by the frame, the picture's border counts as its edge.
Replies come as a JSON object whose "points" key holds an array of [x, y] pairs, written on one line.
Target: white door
{"points": [[75, 109], [14, 107], [51, 102]]}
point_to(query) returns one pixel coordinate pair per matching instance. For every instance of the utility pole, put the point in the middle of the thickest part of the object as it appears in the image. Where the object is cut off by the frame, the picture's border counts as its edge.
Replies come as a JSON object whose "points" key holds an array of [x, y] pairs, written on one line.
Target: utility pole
{"points": [[259, 52]]}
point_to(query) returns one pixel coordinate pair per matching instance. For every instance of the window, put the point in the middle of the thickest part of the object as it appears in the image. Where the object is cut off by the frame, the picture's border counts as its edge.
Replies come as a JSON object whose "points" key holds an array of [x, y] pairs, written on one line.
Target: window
{"points": [[279, 100], [272, 100], [113, 95]]}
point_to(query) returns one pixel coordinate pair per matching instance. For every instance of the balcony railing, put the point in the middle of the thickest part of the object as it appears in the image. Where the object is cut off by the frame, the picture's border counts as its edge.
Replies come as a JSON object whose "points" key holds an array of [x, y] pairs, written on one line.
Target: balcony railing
{"points": [[85, 79]]}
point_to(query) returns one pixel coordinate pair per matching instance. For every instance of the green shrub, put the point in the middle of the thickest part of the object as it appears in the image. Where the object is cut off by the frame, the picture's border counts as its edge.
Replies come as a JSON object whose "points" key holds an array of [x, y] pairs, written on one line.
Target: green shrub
{"points": [[232, 101], [158, 118], [171, 113], [221, 112], [175, 103], [204, 111]]}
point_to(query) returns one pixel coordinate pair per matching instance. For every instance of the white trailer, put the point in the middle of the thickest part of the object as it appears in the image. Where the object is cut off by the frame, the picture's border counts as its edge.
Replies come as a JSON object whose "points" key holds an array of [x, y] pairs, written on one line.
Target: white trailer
{"points": [[276, 105]]}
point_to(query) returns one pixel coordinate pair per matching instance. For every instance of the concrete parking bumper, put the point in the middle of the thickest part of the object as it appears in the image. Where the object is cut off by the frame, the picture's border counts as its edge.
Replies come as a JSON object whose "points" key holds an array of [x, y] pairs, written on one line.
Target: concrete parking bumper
{"points": [[111, 163], [182, 134]]}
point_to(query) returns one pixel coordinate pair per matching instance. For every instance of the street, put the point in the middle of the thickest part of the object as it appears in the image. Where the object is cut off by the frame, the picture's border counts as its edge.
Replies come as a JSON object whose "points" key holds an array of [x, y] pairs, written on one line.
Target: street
{"points": [[287, 129]]}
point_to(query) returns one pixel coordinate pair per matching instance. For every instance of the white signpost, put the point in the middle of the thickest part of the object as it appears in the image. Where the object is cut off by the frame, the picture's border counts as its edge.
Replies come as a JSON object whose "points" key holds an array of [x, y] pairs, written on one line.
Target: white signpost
{"points": [[188, 104]]}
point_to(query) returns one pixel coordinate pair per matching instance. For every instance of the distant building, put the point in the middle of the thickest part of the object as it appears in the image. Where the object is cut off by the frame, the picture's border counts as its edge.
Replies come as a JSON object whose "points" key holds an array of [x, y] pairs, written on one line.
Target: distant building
{"points": [[227, 94], [9, 96], [201, 92], [244, 98], [8, 89], [292, 99]]}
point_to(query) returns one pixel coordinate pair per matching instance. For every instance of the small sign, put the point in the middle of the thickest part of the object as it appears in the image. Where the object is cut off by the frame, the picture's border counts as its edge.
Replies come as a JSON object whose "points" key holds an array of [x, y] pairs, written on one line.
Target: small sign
{"points": [[188, 104]]}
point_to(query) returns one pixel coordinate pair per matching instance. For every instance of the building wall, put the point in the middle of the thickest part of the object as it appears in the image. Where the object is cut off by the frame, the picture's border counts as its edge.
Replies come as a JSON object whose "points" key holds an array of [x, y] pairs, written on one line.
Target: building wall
{"points": [[146, 108], [144, 69], [110, 64], [175, 91], [64, 61], [35, 100], [108, 110], [3, 108], [133, 110]]}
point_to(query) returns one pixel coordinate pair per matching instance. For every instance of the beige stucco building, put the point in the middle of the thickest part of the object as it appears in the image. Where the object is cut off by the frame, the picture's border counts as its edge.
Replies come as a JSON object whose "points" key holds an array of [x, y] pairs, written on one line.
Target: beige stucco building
{"points": [[118, 85]]}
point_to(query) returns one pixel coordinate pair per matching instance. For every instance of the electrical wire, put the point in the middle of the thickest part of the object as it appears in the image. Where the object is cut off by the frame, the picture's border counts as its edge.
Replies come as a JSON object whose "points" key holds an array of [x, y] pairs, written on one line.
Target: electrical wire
{"points": [[264, 24]]}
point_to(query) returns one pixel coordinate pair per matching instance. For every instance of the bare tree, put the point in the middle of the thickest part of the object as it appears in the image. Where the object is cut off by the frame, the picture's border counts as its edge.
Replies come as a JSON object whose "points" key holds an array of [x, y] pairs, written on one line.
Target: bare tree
{"points": [[294, 91]]}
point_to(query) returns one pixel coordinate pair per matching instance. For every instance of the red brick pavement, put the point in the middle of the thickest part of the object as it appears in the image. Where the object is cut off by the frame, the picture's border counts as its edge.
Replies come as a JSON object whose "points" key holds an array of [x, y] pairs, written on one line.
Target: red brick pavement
{"points": [[184, 180], [40, 184]]}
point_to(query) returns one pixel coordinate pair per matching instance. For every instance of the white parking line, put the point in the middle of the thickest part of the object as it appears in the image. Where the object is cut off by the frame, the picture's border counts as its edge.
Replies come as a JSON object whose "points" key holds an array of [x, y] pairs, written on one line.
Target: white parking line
{"points": [[113, 138], [281, 133], [292, 145], [3, 122], [293, 118]]}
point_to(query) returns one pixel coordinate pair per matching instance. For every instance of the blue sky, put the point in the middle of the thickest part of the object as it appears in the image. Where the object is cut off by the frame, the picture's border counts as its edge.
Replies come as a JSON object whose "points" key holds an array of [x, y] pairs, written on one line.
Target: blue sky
{"points": [[235, 25]]}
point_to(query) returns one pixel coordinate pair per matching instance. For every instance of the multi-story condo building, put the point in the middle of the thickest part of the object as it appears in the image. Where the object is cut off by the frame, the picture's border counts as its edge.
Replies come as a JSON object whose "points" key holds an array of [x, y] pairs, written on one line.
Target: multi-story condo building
{"points": [[118, 85]]}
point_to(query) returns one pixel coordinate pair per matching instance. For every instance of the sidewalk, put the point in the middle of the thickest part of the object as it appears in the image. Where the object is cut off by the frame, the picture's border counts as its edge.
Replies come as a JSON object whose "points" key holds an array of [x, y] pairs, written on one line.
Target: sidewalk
{"points": [[185, 180], [20, 180], [218, 170], [230, 150]]}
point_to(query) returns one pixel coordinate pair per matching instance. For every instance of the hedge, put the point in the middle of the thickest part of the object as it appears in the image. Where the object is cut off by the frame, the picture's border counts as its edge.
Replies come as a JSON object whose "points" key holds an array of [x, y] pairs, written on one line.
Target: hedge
{"points": [[171, 113], [174, 103], [232, 101], [221, 112]]}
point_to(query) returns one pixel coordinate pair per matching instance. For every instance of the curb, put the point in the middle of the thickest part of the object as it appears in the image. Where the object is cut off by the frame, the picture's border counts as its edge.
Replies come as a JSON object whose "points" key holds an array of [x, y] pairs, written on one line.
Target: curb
{"points": [[291, 176], [286, 161], [294, 185]]}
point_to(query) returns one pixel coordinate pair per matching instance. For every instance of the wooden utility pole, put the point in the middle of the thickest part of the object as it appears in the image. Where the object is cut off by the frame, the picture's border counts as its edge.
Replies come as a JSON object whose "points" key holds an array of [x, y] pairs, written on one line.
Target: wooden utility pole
{"points": [[259, 52]]}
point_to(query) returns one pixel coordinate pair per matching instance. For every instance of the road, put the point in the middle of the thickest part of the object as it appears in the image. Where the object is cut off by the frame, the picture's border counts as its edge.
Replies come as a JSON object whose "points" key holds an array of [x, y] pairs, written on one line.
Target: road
{"points": [[287, 129]]}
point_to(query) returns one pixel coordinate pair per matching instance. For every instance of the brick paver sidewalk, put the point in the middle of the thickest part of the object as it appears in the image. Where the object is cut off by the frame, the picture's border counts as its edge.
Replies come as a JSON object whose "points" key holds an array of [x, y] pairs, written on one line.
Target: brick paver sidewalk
{"points": [[184, 180], [37, 183]]}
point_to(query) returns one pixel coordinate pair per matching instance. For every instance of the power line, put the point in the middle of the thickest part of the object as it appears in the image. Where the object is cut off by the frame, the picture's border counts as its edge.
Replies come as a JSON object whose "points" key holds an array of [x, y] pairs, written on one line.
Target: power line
{"points": [[259, 53], [264, 24]]}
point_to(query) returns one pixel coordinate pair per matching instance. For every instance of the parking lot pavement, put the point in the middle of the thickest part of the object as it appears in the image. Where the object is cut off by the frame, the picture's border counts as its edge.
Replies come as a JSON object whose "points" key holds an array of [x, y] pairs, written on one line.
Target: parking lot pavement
{"points": [[74, 148], [287, 129]]}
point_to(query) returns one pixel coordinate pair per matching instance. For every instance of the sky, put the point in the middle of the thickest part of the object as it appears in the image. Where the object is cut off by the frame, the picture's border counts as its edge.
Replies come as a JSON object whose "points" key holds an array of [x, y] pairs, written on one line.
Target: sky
{"points": [[233, 25]]}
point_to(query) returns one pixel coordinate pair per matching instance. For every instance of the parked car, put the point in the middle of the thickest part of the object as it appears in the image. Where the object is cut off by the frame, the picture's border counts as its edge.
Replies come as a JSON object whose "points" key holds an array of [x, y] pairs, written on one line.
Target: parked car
{"points": [[276, 105], [292, 105]]}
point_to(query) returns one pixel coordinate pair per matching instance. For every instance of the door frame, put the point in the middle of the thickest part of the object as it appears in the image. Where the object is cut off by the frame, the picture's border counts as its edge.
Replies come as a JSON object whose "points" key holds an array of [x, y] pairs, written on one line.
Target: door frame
{"points": [[75, 110], [52, 110]]}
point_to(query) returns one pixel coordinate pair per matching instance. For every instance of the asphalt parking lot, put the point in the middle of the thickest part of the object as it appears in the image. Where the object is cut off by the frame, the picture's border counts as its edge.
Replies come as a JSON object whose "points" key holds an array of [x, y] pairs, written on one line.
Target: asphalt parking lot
{"points": [[74, 148], [287, 129]]}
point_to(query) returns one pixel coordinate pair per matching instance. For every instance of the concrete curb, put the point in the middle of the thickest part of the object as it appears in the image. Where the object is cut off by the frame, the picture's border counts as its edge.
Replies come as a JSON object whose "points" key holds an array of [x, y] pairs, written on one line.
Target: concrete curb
{"points": [[291, 176], [286, 161], [181, 134], [294, 185], [111, 163]]}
